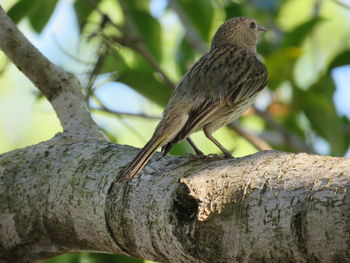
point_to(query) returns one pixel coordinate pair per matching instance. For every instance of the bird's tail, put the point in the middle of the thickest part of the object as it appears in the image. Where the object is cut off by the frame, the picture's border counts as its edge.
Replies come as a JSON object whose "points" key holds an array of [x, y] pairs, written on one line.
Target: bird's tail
{"points": [[141, 158]]}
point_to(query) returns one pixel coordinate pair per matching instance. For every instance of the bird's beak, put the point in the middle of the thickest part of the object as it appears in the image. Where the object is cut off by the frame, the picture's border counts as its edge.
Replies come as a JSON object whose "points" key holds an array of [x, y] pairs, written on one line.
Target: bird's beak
{"points": [[261, 28]]}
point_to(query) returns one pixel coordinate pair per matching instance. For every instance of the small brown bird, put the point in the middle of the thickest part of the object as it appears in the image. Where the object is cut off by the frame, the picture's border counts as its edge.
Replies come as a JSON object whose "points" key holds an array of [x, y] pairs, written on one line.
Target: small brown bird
{"points": [[217, 89]]}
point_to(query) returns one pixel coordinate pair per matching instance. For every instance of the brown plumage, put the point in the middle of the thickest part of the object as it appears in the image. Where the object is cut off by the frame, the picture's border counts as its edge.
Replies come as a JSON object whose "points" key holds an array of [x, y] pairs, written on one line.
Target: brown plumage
{"points": [[217, 89]]}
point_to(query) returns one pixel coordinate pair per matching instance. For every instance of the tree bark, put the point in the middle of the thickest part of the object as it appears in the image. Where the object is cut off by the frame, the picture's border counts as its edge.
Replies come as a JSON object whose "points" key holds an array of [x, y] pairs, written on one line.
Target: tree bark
{"points": [[268, 207]]}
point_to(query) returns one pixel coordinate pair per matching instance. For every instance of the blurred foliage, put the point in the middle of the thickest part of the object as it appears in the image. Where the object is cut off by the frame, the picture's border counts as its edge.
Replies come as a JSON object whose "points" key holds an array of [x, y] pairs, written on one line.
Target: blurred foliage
{"points": [[38, 12], [149, 50]]}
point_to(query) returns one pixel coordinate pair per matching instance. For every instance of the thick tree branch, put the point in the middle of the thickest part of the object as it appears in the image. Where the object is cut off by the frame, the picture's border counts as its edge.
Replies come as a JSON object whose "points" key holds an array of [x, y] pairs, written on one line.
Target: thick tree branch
{"points": [[58, 196], [61, 88], [271, 206]]}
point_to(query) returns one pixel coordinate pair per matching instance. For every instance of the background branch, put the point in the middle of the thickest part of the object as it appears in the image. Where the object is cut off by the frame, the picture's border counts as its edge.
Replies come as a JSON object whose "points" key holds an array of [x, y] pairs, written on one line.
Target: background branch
{"points": [[130, 114]]}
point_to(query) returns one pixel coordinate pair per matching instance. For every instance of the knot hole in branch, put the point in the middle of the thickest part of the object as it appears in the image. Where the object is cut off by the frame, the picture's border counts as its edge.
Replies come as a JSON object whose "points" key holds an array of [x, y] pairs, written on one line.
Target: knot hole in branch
{"points": [[185, 206]]}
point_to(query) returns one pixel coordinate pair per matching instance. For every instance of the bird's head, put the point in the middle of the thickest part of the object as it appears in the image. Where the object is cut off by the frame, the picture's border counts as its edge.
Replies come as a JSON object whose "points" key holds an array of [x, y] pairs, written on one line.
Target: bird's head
{"points": [[240, 31]]}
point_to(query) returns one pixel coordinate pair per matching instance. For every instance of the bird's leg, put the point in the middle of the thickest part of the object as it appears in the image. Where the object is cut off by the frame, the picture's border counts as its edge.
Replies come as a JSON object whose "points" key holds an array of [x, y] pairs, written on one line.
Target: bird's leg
{"points": [[195, 148], [199, 154], [226, 153]]}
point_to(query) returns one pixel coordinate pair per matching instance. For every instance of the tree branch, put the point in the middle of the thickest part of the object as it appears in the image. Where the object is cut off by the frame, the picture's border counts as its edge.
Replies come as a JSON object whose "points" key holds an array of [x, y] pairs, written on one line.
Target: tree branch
{"points": [[130, 114], [61, 88], [270, 206], [59, 197]]}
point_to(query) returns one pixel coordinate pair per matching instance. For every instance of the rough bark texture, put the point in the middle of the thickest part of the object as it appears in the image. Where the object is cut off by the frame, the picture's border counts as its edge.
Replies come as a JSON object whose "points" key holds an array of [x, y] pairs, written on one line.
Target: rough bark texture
{"points": [[268, 207]]}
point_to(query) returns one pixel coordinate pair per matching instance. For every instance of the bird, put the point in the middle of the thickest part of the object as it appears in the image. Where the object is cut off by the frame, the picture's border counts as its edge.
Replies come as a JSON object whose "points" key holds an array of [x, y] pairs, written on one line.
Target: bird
{"points": [[216, 90]]}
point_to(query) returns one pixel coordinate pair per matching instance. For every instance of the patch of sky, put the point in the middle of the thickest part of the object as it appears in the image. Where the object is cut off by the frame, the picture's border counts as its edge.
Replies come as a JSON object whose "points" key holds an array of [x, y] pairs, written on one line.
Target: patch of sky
{"points": [[341, 76], [157, 7]]}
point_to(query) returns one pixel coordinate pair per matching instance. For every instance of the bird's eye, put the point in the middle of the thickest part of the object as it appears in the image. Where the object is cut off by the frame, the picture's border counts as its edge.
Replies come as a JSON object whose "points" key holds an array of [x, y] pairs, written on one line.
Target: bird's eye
{"points": [[252, 25]]}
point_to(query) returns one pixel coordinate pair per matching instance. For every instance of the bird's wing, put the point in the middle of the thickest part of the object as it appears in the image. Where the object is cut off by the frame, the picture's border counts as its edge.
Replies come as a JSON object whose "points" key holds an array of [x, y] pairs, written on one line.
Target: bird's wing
{"points": [[228, 78]]}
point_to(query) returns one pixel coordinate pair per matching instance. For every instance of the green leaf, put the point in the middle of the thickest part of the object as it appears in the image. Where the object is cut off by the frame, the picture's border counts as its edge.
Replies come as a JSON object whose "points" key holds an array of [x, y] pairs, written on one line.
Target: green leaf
{"points": [[181, 148], [233, 10], [318, 105], [38, 11], [42, 14], [184, 56], [150, 30], [22, 9], [324, 85], [200, 13], [100, 258], [323, 117], [346, 128], [112, 62], [280, 65], [298, 34], [95, 258], [110, 135], [67, 258], [145, 82], [148, 27], [340, 60], [83, 9], [292, 123]]}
